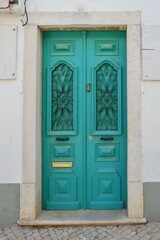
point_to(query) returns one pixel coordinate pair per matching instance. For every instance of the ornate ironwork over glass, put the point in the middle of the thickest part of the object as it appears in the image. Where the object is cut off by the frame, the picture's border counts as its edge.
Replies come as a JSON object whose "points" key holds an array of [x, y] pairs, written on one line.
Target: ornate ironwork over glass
{"points": [[106, 98], [62, 98]]}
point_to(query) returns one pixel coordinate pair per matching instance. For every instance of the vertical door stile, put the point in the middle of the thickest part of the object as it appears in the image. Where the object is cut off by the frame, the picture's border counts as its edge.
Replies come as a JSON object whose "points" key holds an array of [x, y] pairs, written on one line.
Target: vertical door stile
{"points": [[84, 118]]}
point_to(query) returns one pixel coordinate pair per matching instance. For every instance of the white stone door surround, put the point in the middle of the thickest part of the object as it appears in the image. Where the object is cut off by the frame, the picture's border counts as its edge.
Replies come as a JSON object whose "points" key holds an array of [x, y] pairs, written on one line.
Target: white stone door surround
{"points": [[30, 193]]}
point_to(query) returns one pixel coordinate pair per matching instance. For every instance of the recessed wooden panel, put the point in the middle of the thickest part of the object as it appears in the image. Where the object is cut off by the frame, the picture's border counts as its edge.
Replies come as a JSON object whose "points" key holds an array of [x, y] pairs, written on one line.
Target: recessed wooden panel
{"points": [[107, 152], [106, 188], [62, 47], [62, 187], [62, 152], [106, 184], [106, 47]]}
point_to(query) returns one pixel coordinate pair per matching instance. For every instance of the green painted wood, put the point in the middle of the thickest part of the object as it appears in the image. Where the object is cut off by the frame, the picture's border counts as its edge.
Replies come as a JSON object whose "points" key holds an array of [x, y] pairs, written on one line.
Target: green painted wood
{"points": [[62, 81], [88, 129], [106, 121]]}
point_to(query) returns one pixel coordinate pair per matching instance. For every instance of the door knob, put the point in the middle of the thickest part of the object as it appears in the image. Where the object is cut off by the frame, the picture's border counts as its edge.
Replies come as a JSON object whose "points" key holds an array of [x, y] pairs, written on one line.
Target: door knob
{"points": [[90, 138]]}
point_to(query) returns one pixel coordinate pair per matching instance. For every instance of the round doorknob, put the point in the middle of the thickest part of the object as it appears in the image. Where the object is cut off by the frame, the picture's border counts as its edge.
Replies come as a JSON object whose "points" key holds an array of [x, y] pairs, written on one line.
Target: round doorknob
{"points": [[90, 138]]}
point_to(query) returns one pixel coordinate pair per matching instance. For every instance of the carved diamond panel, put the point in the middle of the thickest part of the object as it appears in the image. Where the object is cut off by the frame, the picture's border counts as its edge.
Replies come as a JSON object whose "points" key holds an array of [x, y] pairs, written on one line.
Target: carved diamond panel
{"points": [[106, 98], [62, 98], [62, 187], [106, 185]]}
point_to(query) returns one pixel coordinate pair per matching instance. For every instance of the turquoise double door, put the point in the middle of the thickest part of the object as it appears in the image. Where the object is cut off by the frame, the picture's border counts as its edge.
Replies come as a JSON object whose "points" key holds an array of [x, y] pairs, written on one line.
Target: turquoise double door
{"points": [[84, 126]]}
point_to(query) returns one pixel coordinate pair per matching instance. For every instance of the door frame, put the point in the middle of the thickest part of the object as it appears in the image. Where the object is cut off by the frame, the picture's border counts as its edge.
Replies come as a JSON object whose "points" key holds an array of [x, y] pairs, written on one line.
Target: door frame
{"points": [[30, 191]]}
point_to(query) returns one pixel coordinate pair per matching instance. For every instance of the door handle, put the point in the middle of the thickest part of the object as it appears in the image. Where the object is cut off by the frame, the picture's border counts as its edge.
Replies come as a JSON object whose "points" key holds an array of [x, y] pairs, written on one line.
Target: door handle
{"points": [[107, 139], [62, 139], [88, 87]]}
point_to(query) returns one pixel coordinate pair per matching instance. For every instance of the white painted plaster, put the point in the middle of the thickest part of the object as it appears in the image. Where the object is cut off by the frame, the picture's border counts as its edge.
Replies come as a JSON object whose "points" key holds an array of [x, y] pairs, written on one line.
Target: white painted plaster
{"points": [[8, 50], [149, 9], [151, 52], [11, 100], [150, 103], [150, 37], [4, 3], [151, 131]]}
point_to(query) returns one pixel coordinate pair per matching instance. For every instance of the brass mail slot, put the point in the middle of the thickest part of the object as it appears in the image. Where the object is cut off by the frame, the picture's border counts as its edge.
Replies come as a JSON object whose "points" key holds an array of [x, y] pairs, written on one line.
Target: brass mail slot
{"points": [[62, 164]]}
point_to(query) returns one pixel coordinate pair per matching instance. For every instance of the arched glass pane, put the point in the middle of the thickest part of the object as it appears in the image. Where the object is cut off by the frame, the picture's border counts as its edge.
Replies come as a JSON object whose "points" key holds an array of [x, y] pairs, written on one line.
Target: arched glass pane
{"points": [[106, 98], [62, 98]]}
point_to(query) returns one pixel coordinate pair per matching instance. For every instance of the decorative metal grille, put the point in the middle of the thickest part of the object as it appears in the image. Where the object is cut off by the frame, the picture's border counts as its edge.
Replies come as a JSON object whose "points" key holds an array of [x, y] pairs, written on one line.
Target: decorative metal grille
{"points": [[106, 98], [62, 98]]}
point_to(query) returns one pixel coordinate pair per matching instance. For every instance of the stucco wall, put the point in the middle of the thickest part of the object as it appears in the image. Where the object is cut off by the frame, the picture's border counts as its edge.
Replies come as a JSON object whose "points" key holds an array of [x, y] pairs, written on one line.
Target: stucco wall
{"points": [[11, 99], [150, 103], [150, 10]]}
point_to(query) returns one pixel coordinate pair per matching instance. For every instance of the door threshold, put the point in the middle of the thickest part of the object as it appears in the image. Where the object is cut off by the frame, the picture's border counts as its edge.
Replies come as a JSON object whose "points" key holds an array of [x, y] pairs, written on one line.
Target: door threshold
{"points": [[82, 218]]}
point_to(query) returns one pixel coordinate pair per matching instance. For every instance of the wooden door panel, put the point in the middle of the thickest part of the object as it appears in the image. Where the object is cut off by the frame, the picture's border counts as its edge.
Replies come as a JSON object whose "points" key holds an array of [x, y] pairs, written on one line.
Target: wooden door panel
{"points": [[106, 120], [62, 121]]}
